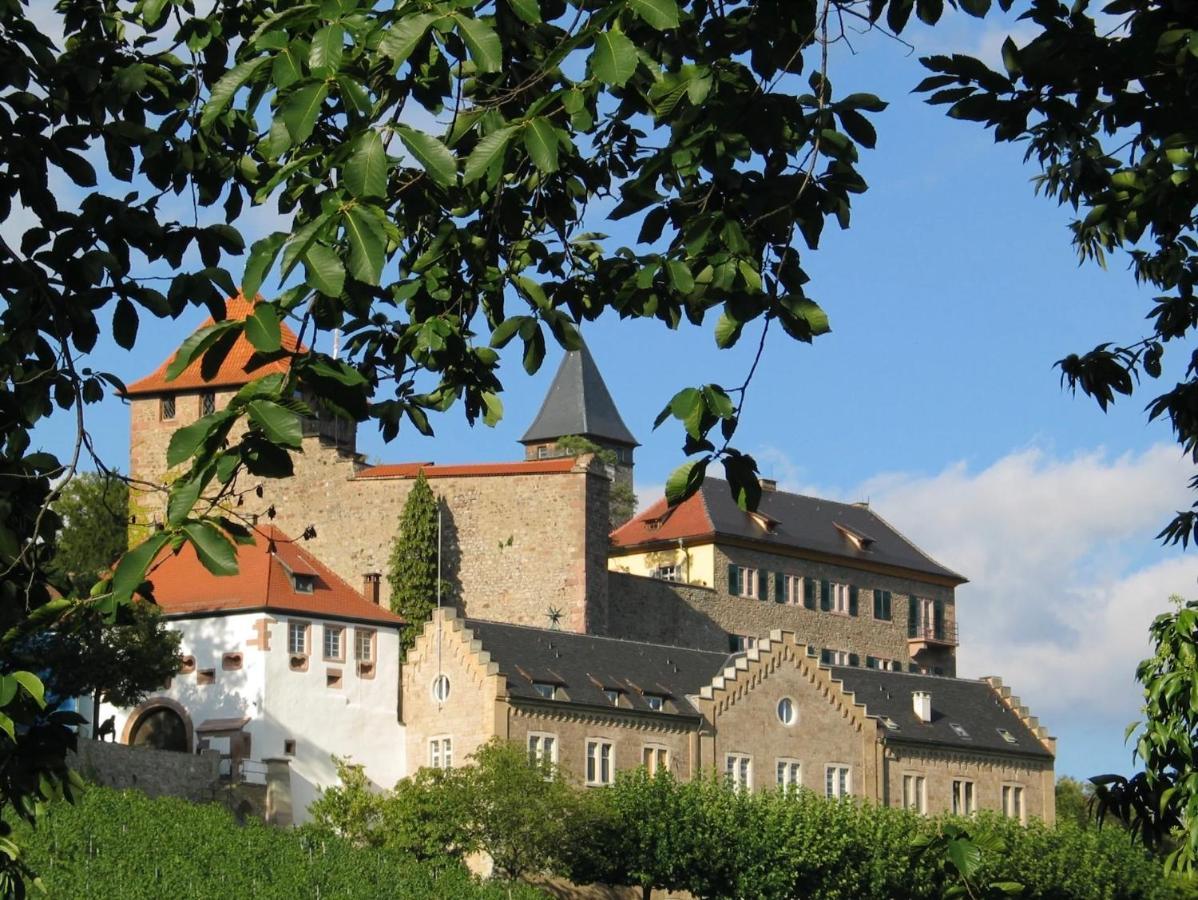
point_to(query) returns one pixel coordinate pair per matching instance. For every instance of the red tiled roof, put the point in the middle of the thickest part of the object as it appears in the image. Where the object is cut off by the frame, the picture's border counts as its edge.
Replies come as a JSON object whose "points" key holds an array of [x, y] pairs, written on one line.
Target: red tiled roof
{"points": [[689, 519], [182, 586], [474, 470], [234, 371]]}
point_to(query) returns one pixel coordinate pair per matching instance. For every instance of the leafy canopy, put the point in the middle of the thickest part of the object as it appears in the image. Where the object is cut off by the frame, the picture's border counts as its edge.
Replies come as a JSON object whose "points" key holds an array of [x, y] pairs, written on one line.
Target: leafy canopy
{"points": [[415, 561]]}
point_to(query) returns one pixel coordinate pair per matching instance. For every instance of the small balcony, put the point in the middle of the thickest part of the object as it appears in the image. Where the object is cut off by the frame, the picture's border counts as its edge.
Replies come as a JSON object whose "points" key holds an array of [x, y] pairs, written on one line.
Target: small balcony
{"points": [[921, 636]]}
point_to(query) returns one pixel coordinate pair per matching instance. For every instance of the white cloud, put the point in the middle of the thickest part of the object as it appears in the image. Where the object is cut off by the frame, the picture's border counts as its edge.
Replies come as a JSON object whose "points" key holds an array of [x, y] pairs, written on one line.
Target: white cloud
{"points": [[1065, 575]]}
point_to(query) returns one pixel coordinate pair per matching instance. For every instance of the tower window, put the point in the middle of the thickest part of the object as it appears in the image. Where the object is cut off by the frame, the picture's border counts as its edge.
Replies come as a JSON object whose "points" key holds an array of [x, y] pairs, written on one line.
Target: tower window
{"points": [[207, 403], [166, 407]]}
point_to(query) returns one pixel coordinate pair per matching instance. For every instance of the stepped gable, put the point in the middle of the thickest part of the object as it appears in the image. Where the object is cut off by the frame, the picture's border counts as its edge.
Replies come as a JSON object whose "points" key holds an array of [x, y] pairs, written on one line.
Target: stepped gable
{"points": [[782, 520], [233, 372], [584, 665], [265, 580], [972, 705], [578, 403]]}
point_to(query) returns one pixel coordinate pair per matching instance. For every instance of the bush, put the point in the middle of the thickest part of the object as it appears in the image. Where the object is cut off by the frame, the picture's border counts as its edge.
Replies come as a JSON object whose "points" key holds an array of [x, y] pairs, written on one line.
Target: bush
{"points": [[123, 844]]}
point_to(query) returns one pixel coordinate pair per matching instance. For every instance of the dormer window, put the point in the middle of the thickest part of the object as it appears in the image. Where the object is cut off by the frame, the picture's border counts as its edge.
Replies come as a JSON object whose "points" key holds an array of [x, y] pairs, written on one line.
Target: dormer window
{"points": [[1007, 736], [166, 407], [612, 695], [545, 689], [959, 731], [654, 702], [764, 522], [858, 539], [303, 583]]}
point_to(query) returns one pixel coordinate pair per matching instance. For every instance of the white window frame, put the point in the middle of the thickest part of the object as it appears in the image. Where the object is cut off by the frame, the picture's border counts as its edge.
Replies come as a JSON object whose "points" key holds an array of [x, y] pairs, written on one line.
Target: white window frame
{"points": [[600, 767], [670, 572], [788, 772], [738, 769], [749, 581], [542, 747], [1014, 805], [330, 631], [839, 602], [794, 589], [440, 752], [965, 797], [838, 781], [655, 758], [915, 792], [364, 636], [794, 711], [655, 702], [302, 629], [440, 697], [838, 657]]}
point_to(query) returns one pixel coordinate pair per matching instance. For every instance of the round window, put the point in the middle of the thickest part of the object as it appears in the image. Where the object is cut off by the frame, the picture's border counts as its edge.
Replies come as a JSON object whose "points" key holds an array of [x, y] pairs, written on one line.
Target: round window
{"points": [[441, 688], [786, 711]]}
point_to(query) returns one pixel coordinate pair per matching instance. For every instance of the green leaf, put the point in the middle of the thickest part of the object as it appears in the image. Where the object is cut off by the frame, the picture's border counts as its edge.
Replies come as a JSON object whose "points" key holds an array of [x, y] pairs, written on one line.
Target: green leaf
{"points": [[184, 495], [124, 324], [977, 8], [262, 257], [215, 551], [528, 10], [436, 159], [328, 46], [262, 328], [33, 686], [680, 276], [279, 424], [403, 37], [964, 855], [195, 345], [222, 92], [506, 330], [727, 331], [366, 172], [486, 151], [482, 42], [540, 137], [131, 570], [324, 270], [493, 409], [285, 70], [367, 244], [614, 58], [300, 109], [187, 440], [685, 480], [661, 14]]}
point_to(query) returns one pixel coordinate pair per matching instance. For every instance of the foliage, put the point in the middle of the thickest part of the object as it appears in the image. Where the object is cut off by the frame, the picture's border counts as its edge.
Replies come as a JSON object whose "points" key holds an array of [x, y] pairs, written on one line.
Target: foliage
{"points": [[118, 662], [123, 844], [623, 498], [962, 853], [415, 558], [1160, 804], [1075, 802], [351, 810], [94, 509]]}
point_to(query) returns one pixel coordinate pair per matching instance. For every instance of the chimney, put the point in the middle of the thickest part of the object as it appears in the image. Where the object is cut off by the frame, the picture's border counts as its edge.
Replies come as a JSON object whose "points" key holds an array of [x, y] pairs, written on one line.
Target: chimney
{"points": [[922, 702], [371, 583], [768, 484]]}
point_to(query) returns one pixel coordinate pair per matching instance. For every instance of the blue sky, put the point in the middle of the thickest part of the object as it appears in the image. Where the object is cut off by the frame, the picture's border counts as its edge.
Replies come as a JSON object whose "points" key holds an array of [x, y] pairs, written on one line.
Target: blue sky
{"points": [[934, 397]]}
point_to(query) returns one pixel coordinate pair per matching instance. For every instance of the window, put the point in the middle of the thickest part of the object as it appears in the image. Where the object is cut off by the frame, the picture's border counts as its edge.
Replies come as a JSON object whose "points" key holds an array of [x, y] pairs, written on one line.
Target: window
{"points": [[742, 582], [963, 802], [440, 753], [230, 662], [787, 714], [612, 695], [545, 689], [790, 773], [788, 589], [739, 643], [667, 573], [1007, 736], [1012, 801], [925, 618], [654, 702], [364, 644], [890, 724], [332, 641], [332, 679], [882, 606], [840, 598], [959, 731], [836, 781], [440, 688], [206, 676], [289, 747], [207, 403], [542, 748], [883, 665], [838, 658], [303, 583], [738, 769], [915, 794], [166, 408], [297, 637], [600, 759], [655, 758]]}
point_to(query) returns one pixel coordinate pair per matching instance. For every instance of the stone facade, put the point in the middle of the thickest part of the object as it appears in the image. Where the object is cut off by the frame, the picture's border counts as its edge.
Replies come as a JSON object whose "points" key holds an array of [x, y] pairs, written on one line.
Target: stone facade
{"points": [[158, 773]]}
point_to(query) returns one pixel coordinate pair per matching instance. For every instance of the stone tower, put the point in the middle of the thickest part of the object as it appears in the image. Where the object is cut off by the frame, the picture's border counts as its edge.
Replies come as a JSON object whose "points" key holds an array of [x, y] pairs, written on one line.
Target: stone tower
{"points": [[578, 403]]}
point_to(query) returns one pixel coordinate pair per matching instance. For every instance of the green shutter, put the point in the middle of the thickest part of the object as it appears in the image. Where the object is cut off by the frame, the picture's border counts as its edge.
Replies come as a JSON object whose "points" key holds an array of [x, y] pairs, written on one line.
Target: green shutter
{"points": [[779, 587], [854, 659], [938, 619], [733, 580], [853, 600], [871, 662], [809, 593], [825, 595]]}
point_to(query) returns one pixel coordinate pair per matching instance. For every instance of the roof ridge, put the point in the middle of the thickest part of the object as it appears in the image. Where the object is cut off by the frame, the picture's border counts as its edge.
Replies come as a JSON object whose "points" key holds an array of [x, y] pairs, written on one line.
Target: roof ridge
{"points": [[587, 634], [914, 546]]}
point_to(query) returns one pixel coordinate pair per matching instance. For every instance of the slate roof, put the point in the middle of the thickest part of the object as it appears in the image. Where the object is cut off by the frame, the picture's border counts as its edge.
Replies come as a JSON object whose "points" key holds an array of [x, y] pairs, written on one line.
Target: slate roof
{"points": [[796, 521], [579, 403], [585, 664], [183, 587], [233, 372], [973, 705]]}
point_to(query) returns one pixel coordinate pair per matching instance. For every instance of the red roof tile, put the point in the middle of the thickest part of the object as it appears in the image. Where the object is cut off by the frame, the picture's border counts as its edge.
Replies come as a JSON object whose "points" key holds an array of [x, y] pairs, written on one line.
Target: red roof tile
{"points": [[474, 470], [689, 519], [234, 371], [182, 586]]}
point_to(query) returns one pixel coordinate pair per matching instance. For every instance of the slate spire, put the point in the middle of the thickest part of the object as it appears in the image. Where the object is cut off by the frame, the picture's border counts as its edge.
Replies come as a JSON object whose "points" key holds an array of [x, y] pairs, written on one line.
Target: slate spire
{"points": [[579, 403]]}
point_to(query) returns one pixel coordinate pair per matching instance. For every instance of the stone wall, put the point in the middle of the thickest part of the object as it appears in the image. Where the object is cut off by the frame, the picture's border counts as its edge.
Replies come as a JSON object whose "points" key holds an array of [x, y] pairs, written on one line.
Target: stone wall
{"points": [[158, 773], [662, 612]]}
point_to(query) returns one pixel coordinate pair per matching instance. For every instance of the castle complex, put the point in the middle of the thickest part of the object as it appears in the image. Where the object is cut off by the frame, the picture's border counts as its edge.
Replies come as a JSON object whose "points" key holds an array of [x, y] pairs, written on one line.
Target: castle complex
{"points": [[808, 643]]}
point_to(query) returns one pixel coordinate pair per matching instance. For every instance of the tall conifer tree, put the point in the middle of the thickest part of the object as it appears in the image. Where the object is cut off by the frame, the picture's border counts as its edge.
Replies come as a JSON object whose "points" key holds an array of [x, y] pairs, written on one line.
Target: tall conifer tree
{"points": [[412, 574]]}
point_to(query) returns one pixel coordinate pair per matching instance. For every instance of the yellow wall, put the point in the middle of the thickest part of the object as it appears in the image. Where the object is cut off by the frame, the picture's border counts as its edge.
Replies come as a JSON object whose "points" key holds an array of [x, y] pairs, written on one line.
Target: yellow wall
{"points": [[697, 563]]}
